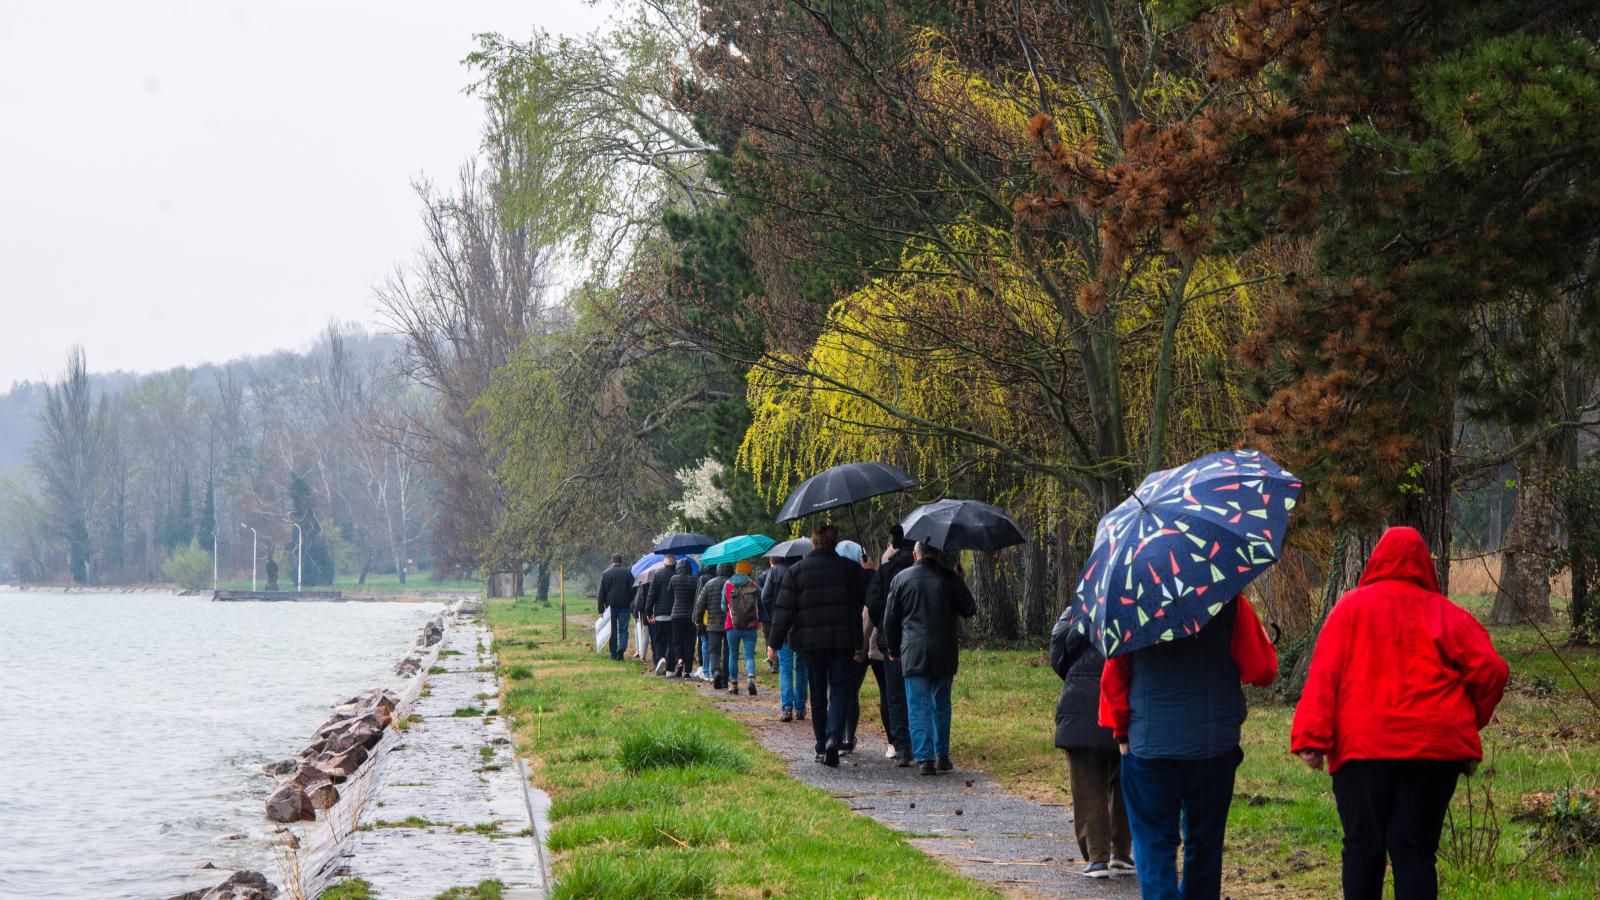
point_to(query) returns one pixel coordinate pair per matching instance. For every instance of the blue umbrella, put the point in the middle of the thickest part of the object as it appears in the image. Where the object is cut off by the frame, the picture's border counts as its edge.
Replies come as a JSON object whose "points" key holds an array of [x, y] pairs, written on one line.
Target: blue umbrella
{"points": [[652, 560], [683, 543], [734, 549], [1189, 539]]}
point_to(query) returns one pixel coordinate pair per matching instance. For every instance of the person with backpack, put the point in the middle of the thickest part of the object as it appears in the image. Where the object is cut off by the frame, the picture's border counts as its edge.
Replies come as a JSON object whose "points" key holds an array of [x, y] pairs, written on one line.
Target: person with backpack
{"points": [[743, 622], [710, 613]]}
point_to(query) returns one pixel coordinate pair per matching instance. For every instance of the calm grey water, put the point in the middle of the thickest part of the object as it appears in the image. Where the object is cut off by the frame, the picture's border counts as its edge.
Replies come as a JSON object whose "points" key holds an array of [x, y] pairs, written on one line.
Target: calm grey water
{"points": [[133, 728]]}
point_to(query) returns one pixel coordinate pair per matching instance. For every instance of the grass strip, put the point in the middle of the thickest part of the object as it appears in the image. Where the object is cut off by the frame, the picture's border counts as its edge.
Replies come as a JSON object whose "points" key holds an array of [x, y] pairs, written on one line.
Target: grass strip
{"points": [[656, 793]]}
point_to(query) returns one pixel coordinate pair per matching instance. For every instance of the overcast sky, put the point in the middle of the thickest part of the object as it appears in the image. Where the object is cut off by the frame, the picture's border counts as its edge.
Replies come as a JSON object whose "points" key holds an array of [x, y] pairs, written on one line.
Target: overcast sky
{"points": [[192, 181]]}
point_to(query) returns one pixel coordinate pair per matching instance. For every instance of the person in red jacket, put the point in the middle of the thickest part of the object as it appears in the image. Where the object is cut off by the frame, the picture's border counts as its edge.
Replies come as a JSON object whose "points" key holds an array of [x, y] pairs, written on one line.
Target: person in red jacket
{"points": [[1176, 710], [1401, 681]]}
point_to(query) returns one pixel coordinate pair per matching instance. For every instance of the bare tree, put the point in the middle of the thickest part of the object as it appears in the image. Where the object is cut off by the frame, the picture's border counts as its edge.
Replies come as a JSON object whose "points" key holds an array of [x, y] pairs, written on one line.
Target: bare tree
{"points": [[67, 458]]}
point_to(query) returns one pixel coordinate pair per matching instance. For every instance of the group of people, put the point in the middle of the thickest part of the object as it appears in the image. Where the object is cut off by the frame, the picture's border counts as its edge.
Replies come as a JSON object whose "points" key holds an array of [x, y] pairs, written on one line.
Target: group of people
{"points": [[1401, 682], [828, 618]]}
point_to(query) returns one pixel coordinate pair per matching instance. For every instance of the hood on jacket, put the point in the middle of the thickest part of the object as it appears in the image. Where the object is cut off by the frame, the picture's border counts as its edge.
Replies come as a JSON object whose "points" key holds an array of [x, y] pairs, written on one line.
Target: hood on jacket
{"points": [[725, 570], [1401, 555], [684, 567], [739, 580]]}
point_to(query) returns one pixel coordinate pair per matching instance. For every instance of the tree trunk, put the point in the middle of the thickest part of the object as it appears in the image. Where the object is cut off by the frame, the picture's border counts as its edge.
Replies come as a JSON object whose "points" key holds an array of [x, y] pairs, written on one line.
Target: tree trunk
{"points": [[544, 584], [1523, 594], [997, 609], [1036, 591], [1066, 564], [1349, 557]]}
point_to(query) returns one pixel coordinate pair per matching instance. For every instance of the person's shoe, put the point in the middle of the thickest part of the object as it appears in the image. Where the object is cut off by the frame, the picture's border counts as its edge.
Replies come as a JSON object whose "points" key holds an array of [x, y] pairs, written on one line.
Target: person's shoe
{"points": [[751, 689], [788, 715], [830, 755], [849, 745], [772, 667], [1121, 865], [888, 751], [944, 764], [661, 666], [822, 759], [733, 687], [929, 769], [800, 714], [1097, 870], [902, 760]]}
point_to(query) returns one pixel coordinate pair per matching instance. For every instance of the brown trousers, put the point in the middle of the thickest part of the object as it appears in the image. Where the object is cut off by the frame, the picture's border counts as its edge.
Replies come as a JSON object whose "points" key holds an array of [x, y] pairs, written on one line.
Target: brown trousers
{"points": [[1098, 818]]}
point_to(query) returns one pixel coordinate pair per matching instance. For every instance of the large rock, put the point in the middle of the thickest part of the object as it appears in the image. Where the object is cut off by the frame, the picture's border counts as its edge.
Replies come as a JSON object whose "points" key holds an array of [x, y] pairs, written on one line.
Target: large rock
{"points": [[345, 763], [311, 773], [287, 804], [322, 795], [432, 633], [239, 886], [408, 667], [281, 767]]}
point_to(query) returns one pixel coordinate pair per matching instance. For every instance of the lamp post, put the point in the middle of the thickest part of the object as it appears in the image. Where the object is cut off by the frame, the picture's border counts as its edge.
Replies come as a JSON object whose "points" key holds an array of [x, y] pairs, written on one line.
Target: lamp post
{"points": [[213, 534], [299, 553], [253, 537]]}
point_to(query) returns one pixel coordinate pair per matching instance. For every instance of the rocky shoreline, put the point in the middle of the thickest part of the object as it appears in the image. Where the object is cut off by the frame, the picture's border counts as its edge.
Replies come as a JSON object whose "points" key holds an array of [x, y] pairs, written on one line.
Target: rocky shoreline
{"points": [[332, 776]]}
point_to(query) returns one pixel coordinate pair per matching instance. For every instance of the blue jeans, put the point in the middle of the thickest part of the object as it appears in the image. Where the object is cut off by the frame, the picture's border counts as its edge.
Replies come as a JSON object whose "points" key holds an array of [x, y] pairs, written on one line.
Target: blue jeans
{"points": [[928, 714], [793, 679], [705, 653], [619, 631], [745, 637], [1164, 796], [832, 677]]}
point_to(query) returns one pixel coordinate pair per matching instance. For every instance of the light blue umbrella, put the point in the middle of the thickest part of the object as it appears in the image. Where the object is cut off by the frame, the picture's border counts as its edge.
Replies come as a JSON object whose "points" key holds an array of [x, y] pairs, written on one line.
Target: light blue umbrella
{"points": [[651, 561], [745, 546]]}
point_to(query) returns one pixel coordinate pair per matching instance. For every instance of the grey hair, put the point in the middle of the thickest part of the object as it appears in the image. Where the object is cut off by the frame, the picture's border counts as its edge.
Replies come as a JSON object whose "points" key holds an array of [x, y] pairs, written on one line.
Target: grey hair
{"points": [[928, 550]]}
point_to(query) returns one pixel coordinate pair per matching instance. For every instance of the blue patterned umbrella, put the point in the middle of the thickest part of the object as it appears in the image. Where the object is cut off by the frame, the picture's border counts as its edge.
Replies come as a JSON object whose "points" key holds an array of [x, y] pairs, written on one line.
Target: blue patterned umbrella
{"points": [[1188, 541]]}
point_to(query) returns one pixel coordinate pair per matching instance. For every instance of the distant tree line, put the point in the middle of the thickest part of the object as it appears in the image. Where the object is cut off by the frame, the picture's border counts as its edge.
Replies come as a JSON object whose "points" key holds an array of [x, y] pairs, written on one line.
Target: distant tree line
{"points": [[119, 480]]}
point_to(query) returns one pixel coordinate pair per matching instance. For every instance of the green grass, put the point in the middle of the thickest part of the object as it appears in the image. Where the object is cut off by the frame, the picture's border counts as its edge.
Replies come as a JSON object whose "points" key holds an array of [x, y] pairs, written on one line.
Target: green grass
{"points": [[492, 889], [1283, 829], [466, 712], [709, 795], [349, 889]]}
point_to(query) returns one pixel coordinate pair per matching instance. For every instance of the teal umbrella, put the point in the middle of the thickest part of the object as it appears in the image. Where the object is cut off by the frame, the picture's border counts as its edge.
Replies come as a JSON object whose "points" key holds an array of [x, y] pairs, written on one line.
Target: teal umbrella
{"points": [[734, 549]]}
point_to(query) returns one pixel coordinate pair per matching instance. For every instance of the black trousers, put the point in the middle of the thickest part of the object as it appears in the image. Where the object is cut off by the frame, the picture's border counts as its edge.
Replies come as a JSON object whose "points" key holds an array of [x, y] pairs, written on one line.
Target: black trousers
{"points": [[832, 674], [682, 643], [852, 715], [892, 704], [660, 642], [1393, 808]]}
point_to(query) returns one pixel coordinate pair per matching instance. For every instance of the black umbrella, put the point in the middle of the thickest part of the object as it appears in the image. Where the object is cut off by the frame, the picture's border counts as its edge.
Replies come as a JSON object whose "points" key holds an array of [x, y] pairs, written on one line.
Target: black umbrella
{"points": [[787, 549], [684, 543], [953, 525], [842, 486]]}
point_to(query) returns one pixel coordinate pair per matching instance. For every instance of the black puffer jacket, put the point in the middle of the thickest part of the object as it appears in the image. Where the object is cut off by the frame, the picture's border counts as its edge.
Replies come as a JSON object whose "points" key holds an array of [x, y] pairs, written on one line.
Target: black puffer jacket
{"points": [[770, 581], [1079, 663], [683, 586], [819, 604], [660, 601], [616, 587], [878, 590], [921, 618], [708, 607]]}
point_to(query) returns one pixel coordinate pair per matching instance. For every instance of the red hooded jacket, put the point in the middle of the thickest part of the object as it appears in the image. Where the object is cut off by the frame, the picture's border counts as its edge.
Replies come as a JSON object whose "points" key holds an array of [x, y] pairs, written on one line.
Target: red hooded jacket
{"points": [[1399, 672]]}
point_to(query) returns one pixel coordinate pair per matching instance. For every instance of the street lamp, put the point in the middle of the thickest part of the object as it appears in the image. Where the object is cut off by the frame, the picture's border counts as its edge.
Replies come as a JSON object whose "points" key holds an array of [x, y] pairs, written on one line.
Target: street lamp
{"points": [[213, 534], [299, 552], [252, 556]]}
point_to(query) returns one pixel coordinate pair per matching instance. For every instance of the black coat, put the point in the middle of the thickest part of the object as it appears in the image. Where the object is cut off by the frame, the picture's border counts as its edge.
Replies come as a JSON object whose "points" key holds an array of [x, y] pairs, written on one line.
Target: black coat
{"points": [[819, 604], [878, 590], [683, 586], [1079, 663], [616, 587], [920, 619], [660, 599]]}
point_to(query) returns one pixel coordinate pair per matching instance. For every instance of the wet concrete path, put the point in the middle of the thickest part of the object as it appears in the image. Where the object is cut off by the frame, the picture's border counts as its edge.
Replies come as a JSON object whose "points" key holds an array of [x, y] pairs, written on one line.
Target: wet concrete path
{"points": [[448, 806], [962, 818]]}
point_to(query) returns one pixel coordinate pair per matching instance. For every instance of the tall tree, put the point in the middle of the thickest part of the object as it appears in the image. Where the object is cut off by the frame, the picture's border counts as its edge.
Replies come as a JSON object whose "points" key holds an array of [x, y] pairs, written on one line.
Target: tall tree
{"points": [[68, 457]]}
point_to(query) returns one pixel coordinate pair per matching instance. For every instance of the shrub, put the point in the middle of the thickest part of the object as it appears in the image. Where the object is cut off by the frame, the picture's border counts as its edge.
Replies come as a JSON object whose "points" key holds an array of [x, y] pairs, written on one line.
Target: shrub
{"points": [[349, 889], [188, 567], [1569, 823], [667, 748]]}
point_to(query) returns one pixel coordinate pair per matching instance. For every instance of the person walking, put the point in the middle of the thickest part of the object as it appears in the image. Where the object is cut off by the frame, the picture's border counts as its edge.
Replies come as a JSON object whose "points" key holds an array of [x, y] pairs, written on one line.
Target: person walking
{"points": [[1094, 767], [681, 590], [858, 667], [659, 601], [897, 557], [743, 605], [793, 680], [710, 614], [702, 637], [1176, 709], [616, 594], [926, 603], [818, 613], [1401, 682]]}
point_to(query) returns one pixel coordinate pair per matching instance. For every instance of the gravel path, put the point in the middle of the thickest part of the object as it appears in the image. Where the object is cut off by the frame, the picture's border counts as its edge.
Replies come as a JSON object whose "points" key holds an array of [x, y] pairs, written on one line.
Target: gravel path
{"points": [[460, 775], [963, 818]]}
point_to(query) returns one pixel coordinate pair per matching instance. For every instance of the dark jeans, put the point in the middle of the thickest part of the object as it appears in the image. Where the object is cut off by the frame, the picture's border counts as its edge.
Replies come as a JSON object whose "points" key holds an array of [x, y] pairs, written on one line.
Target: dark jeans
{"points": [[682, 644], [661, 642], [852, 716], [830, 672], [892, 704], [1393, 807], [619, 631], [1166, 796], [716, 666]]}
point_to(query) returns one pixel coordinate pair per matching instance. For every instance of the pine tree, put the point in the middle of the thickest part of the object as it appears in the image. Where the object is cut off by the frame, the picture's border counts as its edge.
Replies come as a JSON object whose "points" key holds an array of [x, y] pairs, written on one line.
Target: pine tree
{"points": [[317, 562]]}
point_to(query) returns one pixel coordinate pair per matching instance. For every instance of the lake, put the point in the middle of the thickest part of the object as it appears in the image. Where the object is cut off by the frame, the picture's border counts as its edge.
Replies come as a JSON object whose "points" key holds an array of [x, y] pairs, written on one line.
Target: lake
{"points": [[133, 729]]}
